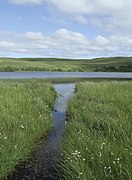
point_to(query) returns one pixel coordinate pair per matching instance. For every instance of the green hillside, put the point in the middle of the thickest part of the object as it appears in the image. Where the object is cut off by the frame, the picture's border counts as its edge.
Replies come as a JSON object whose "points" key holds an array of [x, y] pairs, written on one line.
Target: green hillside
{"points": [[113, 64]]}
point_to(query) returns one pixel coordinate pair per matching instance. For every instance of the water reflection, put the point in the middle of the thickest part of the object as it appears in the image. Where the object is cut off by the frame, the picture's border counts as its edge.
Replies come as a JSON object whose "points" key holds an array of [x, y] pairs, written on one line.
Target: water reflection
{"points": [[42, 164]]}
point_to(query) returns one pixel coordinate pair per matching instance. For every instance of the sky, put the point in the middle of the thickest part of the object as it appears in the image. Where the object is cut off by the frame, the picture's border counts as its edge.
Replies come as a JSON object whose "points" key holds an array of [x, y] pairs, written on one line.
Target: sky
{"points": [[65, 28]]}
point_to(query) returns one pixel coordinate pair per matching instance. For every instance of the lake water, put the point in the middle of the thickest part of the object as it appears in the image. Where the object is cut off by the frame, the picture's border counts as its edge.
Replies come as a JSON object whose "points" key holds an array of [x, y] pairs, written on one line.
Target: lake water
{"points": [[50, 75]]}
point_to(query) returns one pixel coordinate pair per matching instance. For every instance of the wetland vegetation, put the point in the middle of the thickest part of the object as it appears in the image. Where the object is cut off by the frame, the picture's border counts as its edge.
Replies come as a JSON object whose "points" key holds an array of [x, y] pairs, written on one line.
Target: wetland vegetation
{"points": [[97, 141], [25, 116], [97, 138], [113, 64]]}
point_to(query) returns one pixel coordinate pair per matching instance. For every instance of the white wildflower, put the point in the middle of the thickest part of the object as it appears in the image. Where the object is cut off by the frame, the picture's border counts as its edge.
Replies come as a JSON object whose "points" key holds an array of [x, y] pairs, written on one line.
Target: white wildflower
{"points": [[22, 126]]}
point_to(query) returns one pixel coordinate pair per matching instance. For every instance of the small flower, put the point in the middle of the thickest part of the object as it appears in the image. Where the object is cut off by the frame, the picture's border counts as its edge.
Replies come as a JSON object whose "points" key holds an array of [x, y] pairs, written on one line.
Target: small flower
{"points": [[22, 126], [109, 169], [5, 137]]}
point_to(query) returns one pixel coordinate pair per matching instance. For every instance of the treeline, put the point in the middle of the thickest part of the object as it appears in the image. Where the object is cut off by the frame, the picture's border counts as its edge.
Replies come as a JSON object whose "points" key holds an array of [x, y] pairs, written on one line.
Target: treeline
{"points": [[122, 68]]}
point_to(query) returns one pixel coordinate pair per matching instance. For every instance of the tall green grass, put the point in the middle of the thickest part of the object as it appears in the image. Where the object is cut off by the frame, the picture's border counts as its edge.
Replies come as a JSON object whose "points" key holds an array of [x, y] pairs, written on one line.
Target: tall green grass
{"points": [[98, 135], [25, 115], [113, 64]]}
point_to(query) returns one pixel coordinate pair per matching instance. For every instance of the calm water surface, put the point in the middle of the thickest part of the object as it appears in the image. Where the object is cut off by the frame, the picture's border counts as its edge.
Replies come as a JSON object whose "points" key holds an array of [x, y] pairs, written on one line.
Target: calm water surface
{"points": [[45, 75]]}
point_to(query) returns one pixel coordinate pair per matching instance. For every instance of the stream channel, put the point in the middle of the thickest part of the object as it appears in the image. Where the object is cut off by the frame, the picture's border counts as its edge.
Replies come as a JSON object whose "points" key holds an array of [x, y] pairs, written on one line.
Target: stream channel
{"points": [[43, 162]]}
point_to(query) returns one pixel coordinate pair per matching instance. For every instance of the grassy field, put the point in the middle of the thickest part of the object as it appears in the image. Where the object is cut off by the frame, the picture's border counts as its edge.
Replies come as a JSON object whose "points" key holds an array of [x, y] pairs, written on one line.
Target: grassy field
{"points": [[54, 64], [97, 142], [25, 116]]}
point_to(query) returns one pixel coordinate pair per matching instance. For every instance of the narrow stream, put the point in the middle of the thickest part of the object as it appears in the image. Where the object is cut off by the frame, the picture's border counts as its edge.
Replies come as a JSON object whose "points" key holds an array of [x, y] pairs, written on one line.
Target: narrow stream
{"points": [[42, 164]]}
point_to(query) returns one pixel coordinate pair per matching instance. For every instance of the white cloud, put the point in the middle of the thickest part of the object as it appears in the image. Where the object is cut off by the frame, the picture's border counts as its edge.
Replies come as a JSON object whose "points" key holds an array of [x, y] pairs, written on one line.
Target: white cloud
{"points": [[110, 15], [100, 40], [7, 44], [91, 7], [72, 7], [64, 43], [34, 35], [113, 17], [81, 19], [22, 2], [70, 36]]}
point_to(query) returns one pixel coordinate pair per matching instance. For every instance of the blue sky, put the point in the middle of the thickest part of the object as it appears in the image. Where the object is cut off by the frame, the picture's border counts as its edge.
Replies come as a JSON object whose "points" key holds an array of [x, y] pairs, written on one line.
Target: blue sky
{"points": [[65, 28]]}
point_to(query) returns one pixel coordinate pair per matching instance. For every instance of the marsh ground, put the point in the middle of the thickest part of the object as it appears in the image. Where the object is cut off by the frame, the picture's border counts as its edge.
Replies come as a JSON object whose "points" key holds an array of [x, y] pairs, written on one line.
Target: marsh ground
{"points": [[25, 116], [97, 141]]}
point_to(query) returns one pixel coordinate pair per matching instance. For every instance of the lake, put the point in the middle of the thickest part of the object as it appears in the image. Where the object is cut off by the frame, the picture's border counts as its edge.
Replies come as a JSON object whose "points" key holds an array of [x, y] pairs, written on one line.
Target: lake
{"points": [[52, 75]]}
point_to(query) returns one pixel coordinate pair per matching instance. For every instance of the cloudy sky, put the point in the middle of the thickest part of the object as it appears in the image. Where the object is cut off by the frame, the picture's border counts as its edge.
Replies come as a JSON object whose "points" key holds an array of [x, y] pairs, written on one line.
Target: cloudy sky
{"points": [[65, 28]]}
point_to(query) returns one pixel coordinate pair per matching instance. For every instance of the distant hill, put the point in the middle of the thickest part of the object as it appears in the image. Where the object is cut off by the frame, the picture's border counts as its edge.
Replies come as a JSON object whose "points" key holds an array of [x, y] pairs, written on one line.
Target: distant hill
{"points": [[111, 64], [115, 64]]}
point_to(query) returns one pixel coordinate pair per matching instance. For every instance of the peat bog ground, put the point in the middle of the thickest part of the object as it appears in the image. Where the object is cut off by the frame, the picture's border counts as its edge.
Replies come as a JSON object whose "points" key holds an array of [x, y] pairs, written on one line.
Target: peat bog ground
{"points": [[96, 143]]}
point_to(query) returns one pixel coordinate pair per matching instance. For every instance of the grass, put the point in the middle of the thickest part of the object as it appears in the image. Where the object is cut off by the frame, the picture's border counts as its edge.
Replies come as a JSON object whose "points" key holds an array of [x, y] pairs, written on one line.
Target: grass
{"points": [[25, 116], [56, 64], [97, 143]]}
